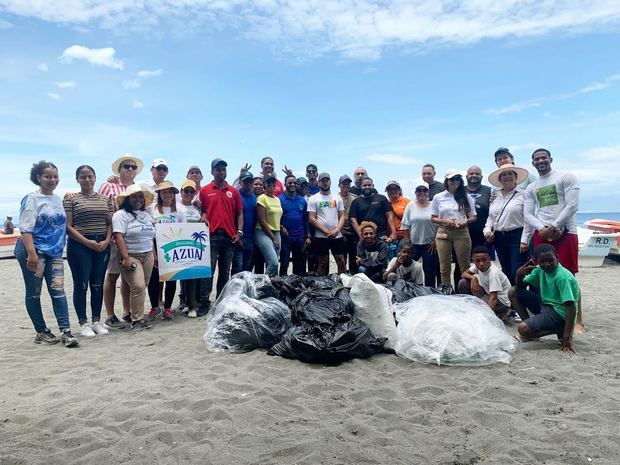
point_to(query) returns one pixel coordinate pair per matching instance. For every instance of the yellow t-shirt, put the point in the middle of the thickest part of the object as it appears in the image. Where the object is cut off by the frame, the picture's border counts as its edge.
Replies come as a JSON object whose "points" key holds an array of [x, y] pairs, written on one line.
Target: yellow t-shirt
{"points": [[273, 211]]}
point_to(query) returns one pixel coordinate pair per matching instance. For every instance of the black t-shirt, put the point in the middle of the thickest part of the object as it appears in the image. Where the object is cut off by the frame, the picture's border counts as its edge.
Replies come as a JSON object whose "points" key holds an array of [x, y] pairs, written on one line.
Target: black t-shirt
{"points": [[375, 209], [482, 199]]}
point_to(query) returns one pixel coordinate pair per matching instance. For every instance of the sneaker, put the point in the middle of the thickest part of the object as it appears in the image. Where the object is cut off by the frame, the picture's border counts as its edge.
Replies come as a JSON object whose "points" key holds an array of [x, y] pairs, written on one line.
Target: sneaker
{"points": [[203, 309], [140, 325], [152, 314], [168, 314], [127, 318], [182, 307], [68, 339], [46, 336], [114, 323], [515, 316], [87, 331], [192, 313], [99, 328]]}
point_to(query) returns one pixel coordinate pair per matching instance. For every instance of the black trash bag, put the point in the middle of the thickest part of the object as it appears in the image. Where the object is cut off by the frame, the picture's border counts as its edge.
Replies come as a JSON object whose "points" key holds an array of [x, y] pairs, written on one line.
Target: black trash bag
{"points": [[404, 290], [330, 344], [289, 287], [326, 306]]}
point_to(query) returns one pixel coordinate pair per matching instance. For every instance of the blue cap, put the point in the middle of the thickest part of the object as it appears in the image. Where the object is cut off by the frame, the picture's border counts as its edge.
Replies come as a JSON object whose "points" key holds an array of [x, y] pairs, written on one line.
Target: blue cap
{"points": [[218, 161]]}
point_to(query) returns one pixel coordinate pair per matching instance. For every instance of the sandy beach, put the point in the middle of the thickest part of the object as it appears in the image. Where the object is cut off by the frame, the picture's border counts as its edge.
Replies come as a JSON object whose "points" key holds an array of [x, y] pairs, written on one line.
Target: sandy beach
{"points": [[160, 397]]}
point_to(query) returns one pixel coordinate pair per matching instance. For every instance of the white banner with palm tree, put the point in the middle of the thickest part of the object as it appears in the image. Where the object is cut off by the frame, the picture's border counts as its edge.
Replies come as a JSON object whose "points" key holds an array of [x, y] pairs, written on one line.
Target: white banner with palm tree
{"points": [[183, 251]]}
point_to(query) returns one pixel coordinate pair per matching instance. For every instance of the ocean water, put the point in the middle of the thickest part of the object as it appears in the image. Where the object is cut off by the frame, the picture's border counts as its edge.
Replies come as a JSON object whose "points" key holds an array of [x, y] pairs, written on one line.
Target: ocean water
{"points": [[583, 217]]}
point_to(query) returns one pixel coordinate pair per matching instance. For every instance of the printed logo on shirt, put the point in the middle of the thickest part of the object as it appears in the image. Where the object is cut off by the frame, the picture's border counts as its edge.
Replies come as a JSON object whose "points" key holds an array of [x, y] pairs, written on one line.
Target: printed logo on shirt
{"points": [[326, 204], [229, 194], [547, 196]]}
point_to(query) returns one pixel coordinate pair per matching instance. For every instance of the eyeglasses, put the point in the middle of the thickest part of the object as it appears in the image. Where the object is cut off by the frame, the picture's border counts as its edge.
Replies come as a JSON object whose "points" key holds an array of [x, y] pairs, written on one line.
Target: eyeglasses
{"points": [[189, 191], [161, 168], [127, 166]]}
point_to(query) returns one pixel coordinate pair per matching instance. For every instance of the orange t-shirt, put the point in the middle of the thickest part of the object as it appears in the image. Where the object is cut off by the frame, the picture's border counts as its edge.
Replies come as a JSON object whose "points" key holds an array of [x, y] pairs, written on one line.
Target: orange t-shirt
{"points": [[399, 210]]}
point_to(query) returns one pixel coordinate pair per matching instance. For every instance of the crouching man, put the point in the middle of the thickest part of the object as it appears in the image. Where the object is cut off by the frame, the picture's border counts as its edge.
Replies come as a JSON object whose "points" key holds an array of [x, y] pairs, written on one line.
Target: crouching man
{"points": [[487, 282], [554, 308]]}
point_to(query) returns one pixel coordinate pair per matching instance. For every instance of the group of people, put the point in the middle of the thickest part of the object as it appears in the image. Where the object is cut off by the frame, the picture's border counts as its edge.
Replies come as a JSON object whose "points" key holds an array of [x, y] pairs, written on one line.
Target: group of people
{"points": [[259, 223]]}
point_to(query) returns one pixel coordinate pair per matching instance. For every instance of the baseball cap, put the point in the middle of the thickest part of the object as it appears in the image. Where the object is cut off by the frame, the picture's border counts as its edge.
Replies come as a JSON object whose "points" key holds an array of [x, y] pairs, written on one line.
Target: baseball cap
{"points": [[269, 179], [324, 175], [451, 173], [194, 168], [245, 175], [301, 180], [392, 183], [344, 178], [188, 183], [421, 183], [218, 161], [158, 162], [502, 150], [311, 165]]}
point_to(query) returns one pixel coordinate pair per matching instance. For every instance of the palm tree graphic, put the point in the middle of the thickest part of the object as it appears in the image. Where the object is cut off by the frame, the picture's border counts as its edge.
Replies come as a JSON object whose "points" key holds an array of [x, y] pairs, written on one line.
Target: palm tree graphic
{"points": [[200, 237]]}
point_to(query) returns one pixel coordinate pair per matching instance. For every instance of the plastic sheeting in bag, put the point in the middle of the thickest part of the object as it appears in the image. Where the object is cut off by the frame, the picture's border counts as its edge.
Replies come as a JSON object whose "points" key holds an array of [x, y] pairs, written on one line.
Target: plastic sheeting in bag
{"points": [[452, 330], [325, 343], [239, 322], [372, 304], [404, 290]]}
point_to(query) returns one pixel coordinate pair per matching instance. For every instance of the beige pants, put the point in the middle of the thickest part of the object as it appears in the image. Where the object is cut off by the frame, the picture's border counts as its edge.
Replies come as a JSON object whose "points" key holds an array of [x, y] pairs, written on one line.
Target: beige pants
{"points": [[461, 241], [138, 280]]}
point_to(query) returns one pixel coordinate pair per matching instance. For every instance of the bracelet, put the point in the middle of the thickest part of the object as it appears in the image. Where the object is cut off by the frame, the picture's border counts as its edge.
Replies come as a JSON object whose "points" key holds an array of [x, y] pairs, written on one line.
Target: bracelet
{"points": [[240, 232]]}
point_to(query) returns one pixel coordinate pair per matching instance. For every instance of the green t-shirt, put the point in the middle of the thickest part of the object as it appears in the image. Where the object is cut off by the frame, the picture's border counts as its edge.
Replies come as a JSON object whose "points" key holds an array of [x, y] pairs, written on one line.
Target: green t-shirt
{"points": [[555, 288], [273, 211]]}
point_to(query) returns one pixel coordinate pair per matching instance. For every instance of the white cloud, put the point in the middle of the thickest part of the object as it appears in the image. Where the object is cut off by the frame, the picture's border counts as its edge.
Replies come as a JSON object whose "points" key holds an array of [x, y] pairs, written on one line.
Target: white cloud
{"points": [[95, 56], [42, 67], [354, 29], [53, 96], [137, 104], [516, 107], [600, 85], [148, 74], [393, 159], [65, 84], [131, 84]]}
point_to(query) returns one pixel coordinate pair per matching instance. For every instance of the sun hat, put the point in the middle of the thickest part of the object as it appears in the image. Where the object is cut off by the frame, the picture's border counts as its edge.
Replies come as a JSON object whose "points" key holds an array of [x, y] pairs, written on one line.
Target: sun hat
{"points": [[116, 166], [522, 174], [166, 185], [134, 189], [187, 183]]}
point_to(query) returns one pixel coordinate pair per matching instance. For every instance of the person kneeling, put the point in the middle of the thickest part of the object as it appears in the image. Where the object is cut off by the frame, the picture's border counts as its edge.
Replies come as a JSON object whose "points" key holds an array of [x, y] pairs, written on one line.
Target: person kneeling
{"points": [[554, 309], [487, 282], [371, 252], [404, 267]]}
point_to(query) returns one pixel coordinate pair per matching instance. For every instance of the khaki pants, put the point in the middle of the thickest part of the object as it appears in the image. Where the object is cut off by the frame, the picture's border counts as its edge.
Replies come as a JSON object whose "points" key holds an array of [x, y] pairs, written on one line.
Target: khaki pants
{"points": [[138, 279], [460, 240]]}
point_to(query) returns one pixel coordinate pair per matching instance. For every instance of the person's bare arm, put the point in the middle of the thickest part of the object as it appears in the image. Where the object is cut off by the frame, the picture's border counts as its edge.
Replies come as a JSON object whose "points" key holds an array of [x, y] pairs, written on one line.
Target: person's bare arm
{"points": [[122, 250]]}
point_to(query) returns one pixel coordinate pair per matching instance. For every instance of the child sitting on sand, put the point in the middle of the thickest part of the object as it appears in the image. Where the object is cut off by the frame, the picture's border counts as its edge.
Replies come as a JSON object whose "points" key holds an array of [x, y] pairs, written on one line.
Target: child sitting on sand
{"points": [[487, 282], [404, 267], [555, 308]]}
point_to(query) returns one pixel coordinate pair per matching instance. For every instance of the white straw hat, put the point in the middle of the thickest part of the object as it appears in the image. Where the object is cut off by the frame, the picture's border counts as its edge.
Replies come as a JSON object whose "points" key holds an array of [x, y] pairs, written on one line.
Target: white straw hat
{"points": [[521, 173]]}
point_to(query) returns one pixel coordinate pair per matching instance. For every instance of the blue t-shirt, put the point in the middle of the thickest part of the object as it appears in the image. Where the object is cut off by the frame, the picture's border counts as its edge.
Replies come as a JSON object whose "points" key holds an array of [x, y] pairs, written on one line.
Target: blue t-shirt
{"points": [[294, 215], [249, 214], [44, 216], [313, 189]]}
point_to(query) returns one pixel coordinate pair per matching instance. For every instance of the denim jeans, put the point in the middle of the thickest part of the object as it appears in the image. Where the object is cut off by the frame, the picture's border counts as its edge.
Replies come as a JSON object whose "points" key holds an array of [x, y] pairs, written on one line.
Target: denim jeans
{"points": [[243, 259], [222, 250], [430, 263], [268, 249], [88, 268], [510, 257], [54, 274], [296, 247], [155, 287]]}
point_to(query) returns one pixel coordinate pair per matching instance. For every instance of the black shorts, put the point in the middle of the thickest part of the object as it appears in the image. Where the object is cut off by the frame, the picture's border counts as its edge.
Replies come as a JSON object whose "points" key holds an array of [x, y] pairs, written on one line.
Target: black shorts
{"points": [[545, 317], [323, 245]]}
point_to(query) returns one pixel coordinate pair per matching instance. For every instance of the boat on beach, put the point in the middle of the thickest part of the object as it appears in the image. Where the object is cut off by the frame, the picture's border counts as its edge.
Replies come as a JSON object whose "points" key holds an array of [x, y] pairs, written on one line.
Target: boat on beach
{"points": [[7, 243], [598, 240]]}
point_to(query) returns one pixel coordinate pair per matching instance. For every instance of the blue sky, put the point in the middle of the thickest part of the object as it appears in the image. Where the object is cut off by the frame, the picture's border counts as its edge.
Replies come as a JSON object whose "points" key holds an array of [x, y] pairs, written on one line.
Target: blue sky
{"points": [[389, 85]]}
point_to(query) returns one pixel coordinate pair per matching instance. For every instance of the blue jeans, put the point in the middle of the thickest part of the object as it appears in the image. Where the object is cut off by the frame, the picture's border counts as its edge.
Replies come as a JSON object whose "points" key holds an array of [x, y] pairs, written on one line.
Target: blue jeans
{"points": [[430, 263], [54, 274], [510, 257], [222, 250], [296, 246], [268, 249], [87, 267], [243, 259]]}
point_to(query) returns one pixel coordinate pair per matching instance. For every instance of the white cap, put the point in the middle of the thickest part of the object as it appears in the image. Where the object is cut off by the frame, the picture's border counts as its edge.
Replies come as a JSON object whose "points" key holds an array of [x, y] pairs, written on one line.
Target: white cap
{"points": [[158, 162], [451, 173], [421, 183]]}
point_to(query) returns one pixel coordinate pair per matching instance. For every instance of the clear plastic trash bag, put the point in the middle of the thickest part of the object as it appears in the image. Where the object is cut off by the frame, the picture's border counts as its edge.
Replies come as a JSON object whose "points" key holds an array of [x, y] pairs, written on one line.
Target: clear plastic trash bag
{"points": [[452, 330], [239, 322]]}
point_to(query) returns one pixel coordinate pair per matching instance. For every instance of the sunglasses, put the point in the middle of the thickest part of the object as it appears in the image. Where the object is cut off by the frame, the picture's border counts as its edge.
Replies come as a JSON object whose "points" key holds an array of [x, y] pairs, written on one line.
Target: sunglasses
{"points": [[128, 166], [421, 190], [189, 191], [161, 168], [310, 171]]}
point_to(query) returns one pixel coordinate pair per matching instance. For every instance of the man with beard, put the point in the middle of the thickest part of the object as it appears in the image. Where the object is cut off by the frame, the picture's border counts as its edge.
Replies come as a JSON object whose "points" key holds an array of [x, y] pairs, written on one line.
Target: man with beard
{"points": [[481, 195], [371, 206], [359, 174], [428, 176]]}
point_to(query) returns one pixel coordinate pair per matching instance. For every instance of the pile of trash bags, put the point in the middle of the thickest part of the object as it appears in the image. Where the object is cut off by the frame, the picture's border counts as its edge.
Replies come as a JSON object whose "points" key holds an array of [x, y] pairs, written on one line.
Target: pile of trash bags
{"points": [[336, 318], [452, 330]]}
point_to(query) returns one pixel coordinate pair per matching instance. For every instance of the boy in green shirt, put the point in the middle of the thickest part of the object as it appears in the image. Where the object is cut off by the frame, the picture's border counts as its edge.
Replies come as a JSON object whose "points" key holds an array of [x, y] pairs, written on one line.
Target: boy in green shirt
{"points": [[554, 307]]}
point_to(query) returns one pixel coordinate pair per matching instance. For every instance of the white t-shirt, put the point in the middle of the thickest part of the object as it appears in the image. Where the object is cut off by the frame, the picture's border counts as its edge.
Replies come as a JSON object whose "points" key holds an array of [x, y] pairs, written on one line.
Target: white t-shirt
{"points": [[445, 207], [493, 280], [418, 221], [138, 231], [412, 273], [168, 216], [553, 199], [190, 212], [327, 208]]}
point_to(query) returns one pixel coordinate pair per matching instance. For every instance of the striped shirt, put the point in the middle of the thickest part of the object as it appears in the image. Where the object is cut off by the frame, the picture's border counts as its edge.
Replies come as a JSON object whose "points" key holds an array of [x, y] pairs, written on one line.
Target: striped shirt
{"points": [[111, 190], [89, 212]]}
